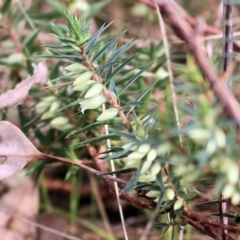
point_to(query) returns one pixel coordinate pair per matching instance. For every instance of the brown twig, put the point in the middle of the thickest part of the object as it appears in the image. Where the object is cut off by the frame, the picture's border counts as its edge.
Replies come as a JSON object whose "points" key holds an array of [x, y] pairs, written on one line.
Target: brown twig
{"points": [[207, 221], [44, 156], [188, 215], [192, 21]]}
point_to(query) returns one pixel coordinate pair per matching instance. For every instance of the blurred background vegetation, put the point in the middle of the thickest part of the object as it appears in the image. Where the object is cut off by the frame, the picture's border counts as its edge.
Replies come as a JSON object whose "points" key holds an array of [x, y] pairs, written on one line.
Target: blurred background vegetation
{"points": [[70, 200]]}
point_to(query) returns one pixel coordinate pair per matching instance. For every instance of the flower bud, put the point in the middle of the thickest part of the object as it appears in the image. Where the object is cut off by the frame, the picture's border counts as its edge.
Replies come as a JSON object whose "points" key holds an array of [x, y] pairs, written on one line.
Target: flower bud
{"points": [[93, 102], [136, 155], [152, 154], [116, 120], [81, 87], [161, 73], [108, 114], [232, 172], [59, 121], [83, 77], [144, 148], [220, 138], [129, 146], [153, 194], [178, 204], [211, 146], [235, 198], [74, 67], [146, 177], [155, 168], [54, 106], [228, 191], [199, 135], [163, 149], [135, 163], [47, 115], [145, 166], [49, 99], [16, 58], [42, 106], [94, 90], [170, 194]]}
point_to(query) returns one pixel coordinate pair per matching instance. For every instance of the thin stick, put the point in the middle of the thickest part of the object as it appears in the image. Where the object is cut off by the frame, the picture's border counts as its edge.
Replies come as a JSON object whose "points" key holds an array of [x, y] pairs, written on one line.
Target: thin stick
{"points": [[149, 225], [227, 67], [100, 204], [115, 183], [228, 40], [174, 96], [40, 226], [169, 68]]}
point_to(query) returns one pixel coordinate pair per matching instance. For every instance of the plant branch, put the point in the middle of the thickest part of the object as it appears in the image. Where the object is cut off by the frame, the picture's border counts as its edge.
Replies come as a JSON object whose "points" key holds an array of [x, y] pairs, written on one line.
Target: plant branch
{"points": [[44, 156], [206, 221], [105, 91]]}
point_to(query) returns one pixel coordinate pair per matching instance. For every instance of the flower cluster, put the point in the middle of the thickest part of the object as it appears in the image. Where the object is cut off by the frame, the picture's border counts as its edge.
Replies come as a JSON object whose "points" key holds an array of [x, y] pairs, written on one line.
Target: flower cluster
{"points": [[48, 107], [228, 167], [213, 136], [91, 89], [146, 157]]}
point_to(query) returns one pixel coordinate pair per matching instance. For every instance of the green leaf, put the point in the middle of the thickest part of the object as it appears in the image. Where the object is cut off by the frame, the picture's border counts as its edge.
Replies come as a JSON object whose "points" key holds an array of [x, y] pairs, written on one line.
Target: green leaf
{"points": [[209, 202], [160, 182], [60, 8], [162, 160], [106, 66], [133, 78], [147, 90], [59, 47], [28, 41], [131, 185], [120, 154], [161, 225], [112, 87], [119, 68], [189, 187], [125, 170], [70, 57], [133, 103], [150, 187], [95, 8], [160, 199], [121, 50], [108, 45], [64, 77], [6, 6], [88, 127], [112, 149], [47, 16], [101, 29], [69, 105], [123, 134], [97, 139]]}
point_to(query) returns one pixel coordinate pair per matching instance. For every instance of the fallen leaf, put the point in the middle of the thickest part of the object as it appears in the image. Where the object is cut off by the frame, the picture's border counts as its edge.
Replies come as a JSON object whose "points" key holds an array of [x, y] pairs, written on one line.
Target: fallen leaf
{"points": [[15, 150], [20, 92]]}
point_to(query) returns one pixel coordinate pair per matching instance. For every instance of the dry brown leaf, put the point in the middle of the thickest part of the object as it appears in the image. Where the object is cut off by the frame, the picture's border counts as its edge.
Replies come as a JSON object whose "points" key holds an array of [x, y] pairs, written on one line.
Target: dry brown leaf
{"points": [[20, 92], [15, 150]]}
